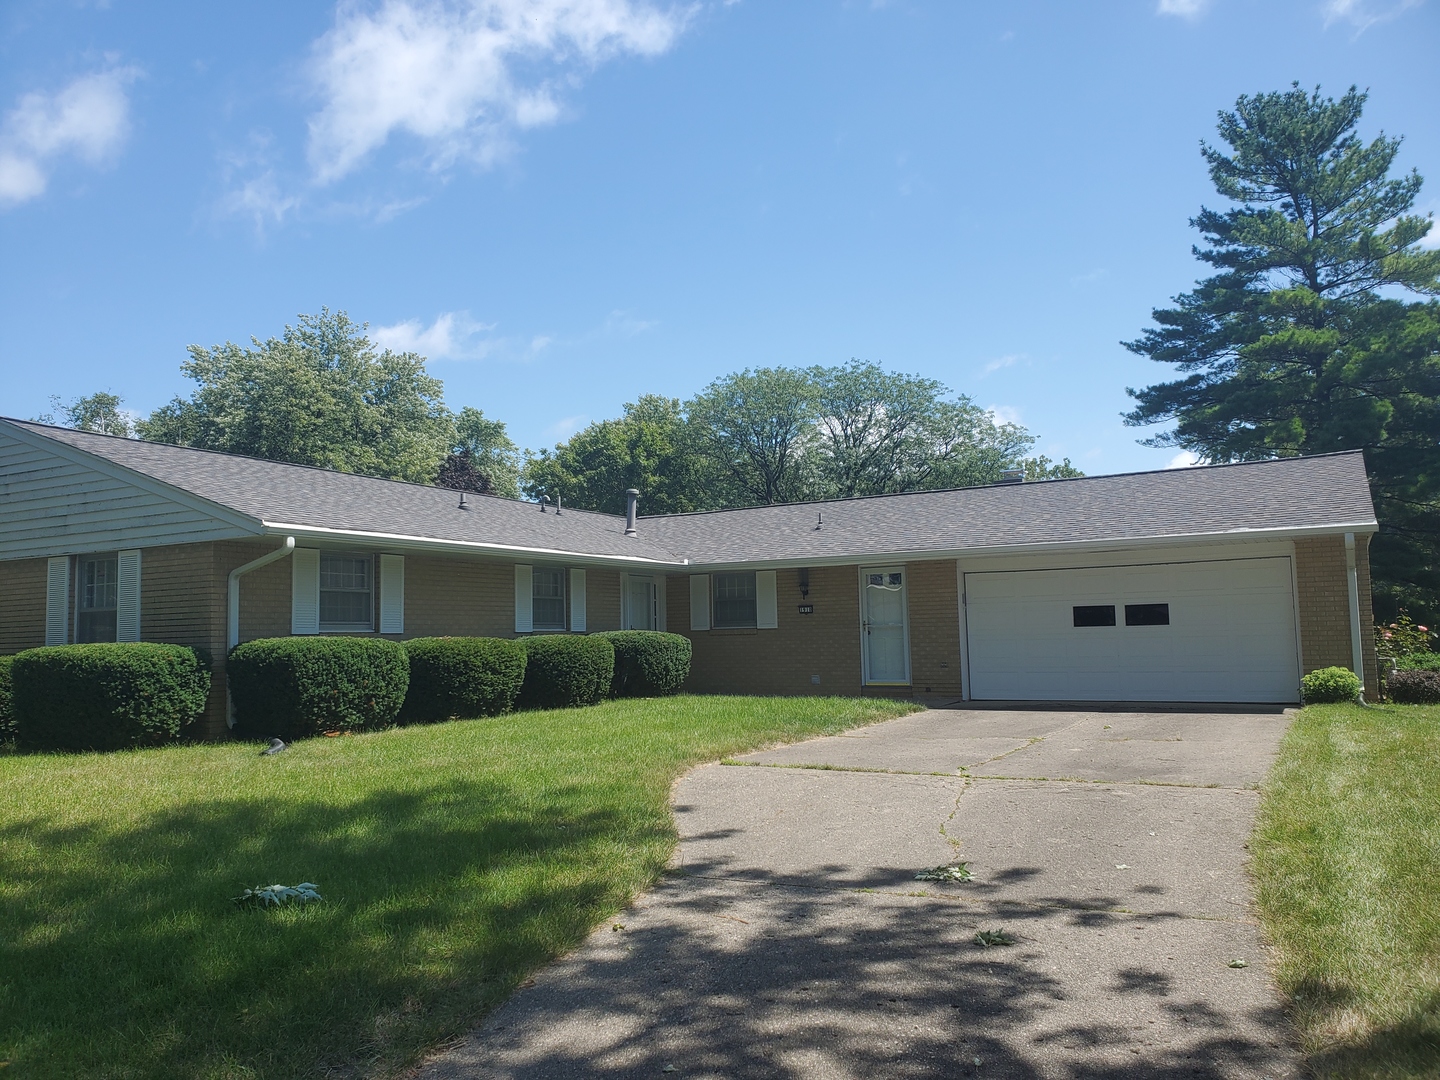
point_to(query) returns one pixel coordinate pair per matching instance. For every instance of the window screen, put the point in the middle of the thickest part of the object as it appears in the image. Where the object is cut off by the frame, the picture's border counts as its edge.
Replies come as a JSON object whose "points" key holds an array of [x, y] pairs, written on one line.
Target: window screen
{"points": [[1095, 615], [1147, 614], [95, 617], [734, 600], [346, 592], [547, 591]]}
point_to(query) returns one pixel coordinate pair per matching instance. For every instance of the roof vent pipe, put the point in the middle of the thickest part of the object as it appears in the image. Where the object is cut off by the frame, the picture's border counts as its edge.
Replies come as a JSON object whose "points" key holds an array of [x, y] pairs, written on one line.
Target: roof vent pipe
{"points": [[632, 496], [544, 502]]}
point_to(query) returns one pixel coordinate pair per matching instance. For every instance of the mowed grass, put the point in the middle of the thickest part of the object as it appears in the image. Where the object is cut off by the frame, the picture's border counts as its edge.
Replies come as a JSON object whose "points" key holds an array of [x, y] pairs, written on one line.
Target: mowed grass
{"points": [[1347, 865], [454, 859]]}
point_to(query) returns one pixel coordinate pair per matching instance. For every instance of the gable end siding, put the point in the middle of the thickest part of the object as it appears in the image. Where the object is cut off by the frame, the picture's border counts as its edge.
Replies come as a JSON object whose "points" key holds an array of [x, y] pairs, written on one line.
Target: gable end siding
{"points": [[51, 505]]}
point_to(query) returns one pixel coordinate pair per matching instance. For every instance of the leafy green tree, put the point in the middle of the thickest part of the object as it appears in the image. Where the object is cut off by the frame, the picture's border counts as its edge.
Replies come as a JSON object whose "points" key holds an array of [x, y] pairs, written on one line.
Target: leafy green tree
{"points": [[882, 431], [1300, 341], [482, 457], [651, 448], [759, 427], [320, 394], [98, 412]]}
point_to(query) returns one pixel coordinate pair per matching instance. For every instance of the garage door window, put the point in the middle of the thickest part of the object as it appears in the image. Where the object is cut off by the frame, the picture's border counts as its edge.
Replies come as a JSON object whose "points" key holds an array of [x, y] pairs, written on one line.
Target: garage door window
{"points": [[1095, 615], [1147, 614]]}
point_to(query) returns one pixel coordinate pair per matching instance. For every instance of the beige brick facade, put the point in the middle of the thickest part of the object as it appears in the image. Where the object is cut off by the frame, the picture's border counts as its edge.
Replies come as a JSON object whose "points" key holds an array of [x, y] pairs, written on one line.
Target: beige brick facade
{"points": [[1323, 597]]}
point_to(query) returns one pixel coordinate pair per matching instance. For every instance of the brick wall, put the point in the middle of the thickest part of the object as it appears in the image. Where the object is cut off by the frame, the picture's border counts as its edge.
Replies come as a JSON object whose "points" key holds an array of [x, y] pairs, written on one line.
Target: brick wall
{"points": [[1324, 602], [22, 605], [934, 599]]}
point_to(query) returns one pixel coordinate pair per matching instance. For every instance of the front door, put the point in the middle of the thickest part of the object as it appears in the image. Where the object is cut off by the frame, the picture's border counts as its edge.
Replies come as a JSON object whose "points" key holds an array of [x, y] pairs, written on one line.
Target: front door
{"points": [[640, 613], [885, 639]]}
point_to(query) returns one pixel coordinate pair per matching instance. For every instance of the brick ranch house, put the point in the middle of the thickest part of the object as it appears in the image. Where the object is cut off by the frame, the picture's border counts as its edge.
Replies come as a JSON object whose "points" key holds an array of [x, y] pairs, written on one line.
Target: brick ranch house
{"points": [[1216, 584]]}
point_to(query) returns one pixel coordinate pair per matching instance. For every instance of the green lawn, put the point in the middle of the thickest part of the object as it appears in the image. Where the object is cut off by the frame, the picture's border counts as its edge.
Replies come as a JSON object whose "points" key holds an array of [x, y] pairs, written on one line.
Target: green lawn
{"points": [[1347, 864], [454, 859]]}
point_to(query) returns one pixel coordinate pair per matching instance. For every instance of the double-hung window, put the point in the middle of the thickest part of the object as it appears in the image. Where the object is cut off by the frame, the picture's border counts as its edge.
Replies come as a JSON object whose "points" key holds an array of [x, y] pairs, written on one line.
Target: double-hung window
{"points": [[347, 593], [733, 602], [97, 598], [547, 590]]}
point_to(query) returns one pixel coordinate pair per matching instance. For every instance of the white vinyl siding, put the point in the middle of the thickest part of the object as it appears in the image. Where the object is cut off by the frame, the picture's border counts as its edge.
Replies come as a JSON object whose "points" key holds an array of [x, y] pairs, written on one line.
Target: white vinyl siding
{"points": [[699, 601], [305, 591], [524, 599], [54, 501], [392, 594], [577, 601], [127, 597], [767, 607], [57, 600]]}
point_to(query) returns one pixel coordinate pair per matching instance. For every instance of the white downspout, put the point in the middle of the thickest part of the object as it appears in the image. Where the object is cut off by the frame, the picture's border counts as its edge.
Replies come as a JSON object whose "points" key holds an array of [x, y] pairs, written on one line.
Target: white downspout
{"points": [[1357, 646], [232, 608]]}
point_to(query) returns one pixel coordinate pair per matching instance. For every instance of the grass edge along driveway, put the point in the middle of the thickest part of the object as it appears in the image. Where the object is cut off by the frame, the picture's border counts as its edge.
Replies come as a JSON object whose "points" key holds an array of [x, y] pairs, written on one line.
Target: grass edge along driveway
{"points": [[1346, 859], [454, 860]]}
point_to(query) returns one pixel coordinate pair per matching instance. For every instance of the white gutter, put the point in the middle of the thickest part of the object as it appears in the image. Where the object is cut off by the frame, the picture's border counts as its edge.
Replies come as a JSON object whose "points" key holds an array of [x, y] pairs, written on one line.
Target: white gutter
{"points": [[232, 607], [1357, 647]]}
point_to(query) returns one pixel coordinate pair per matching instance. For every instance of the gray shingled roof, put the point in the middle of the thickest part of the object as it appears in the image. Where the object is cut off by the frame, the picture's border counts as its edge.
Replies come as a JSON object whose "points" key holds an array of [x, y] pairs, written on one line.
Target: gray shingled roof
{"points": [[1291, 493], [1314, 493], [271, 491]]}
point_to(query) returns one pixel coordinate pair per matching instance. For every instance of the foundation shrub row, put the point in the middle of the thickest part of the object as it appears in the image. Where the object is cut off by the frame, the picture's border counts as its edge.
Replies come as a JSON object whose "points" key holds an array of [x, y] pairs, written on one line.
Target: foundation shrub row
{"points": [[114, 696]]}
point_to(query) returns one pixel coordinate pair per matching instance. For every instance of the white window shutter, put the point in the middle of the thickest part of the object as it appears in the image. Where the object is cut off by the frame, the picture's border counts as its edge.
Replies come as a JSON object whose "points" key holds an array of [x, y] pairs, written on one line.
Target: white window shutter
{"points": [[57, 600], [524, 600], [767, 612], [699, 601], [127, 596], [577, 601], [392, 594], [305, 591]]}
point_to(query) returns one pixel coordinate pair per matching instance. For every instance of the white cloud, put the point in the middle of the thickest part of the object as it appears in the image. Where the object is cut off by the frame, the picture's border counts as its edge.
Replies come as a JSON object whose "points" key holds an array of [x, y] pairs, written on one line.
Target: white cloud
{"points": [[1432, 238], [1001, 362], [1185, 9], [564, 428], [1363, 14], [1004, 414], [452, 336], [89, 119], [1183, 460], [464, 76]]}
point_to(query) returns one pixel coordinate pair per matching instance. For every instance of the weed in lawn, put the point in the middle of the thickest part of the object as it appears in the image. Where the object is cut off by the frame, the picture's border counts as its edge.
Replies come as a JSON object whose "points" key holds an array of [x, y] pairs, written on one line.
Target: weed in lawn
{"points": [[987, 939], [957, 872]]}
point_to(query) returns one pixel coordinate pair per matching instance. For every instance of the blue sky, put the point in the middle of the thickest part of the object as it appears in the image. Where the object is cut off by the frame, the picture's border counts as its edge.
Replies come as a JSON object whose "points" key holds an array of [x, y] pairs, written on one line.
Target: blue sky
{"points": [[568, 203]]}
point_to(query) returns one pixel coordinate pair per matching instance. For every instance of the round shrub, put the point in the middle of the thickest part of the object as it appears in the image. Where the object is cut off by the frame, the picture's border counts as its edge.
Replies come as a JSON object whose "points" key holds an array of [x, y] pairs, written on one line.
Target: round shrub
{"points": [[1329, 685], [1419, 661], [107, 696], [292, 687], [1417, 686], [462, 677], [648, 663], [7, 711], [563, 671]]}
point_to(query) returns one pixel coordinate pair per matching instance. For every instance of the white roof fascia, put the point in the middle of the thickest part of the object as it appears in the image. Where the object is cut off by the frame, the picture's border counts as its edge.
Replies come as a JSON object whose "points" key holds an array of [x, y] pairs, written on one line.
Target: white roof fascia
{"points": [[229, 515], [402, 541], [1062, 547]]}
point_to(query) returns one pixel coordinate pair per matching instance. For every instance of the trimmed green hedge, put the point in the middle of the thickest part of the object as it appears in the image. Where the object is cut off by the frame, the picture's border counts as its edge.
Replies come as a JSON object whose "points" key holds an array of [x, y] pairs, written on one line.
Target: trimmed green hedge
{"points": [[562, 671], [292, 687], [1329, 685], [1417, 686], [648, 663], [1426, 661], [107, 696], [462, 677], [7, 711]]}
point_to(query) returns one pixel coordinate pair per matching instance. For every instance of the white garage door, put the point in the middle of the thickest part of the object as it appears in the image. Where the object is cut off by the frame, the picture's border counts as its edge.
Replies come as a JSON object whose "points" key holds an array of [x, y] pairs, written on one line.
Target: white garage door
{"points": [[1199, 631]]}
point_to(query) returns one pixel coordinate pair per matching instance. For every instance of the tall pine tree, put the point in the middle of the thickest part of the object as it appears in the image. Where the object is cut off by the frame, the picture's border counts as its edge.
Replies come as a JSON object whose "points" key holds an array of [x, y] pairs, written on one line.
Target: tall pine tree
{"points": [[1304, 341]]}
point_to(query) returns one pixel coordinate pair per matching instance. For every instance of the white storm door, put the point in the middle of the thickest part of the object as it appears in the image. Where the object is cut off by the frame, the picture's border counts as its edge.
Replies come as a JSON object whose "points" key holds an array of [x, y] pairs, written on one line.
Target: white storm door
{"points": [[885, 648], [640, 603]]}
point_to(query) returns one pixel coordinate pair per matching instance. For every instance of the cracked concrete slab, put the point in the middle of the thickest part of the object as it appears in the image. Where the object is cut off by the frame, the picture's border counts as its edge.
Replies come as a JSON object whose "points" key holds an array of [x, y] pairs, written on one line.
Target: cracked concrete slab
{"points": [[792, 940]]}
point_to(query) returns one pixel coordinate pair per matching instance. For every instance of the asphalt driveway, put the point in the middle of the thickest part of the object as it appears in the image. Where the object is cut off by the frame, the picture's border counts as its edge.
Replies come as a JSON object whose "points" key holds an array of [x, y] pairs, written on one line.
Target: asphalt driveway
{"points": [[793, 939]]}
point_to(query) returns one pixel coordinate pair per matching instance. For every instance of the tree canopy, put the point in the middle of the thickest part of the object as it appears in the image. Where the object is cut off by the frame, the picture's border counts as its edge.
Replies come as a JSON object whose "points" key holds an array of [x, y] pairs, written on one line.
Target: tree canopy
{"points": [[1302, 341]]}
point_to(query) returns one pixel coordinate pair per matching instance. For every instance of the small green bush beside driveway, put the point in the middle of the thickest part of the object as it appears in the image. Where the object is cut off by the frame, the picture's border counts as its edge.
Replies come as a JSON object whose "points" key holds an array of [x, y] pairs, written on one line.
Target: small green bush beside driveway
{"points": [[1347, 868], [454, 859]]}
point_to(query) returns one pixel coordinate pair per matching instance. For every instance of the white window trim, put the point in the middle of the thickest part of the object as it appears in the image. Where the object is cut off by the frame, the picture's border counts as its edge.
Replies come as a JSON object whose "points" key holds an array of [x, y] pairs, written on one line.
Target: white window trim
{"points": [[755, 574], [345, 628], [564, 623]]}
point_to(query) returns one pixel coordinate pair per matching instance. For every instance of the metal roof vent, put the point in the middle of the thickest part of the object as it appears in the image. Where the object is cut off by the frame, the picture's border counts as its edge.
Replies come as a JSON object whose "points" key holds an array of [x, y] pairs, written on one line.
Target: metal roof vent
{"points": [[1012, 476], [544, 502], [632, 497], [462, 505]]}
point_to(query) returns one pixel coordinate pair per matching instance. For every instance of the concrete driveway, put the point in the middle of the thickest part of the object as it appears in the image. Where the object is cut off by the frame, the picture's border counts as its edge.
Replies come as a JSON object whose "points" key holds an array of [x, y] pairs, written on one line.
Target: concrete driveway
{"points": [[793, 939]]}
